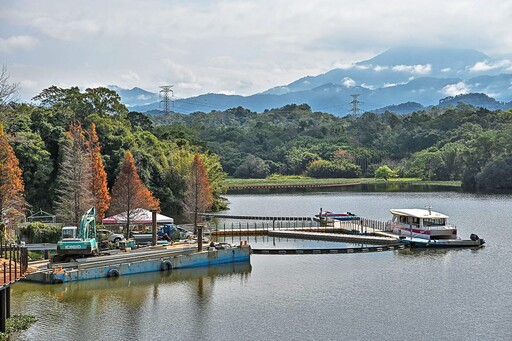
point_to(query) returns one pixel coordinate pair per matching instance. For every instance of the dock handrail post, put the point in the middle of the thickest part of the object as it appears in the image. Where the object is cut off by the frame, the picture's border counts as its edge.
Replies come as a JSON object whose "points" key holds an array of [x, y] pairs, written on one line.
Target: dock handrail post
{"points": [[153, 226], [2, 311], [199, 237]]}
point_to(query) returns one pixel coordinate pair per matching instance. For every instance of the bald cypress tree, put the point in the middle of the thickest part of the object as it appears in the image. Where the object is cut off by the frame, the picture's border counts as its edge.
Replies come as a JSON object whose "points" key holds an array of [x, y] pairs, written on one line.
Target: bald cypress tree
{"points": [[198, 198], [74, 195], [99, 176], [129, 193], [12, 200]]}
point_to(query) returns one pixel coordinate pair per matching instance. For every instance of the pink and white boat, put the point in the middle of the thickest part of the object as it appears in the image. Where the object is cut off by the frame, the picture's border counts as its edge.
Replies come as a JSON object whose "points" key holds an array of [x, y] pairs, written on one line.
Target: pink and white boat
{"points": [[422, 223]]}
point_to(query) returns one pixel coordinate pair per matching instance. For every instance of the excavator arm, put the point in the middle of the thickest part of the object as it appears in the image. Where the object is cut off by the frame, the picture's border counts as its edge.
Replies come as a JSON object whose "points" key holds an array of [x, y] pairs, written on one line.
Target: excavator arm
{"points": [[88, 225]]}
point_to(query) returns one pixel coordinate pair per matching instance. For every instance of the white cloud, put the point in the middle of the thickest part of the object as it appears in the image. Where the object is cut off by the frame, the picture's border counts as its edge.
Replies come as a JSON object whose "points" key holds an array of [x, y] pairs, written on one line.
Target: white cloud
{"points": [[348, 82], [144, 97], [487, 65], [130, 77], [344, 66], [214, 44], [446, 70], [17, 43], [417, 69], [368, 86], [379, 68], [65, 29], [455, 89]]}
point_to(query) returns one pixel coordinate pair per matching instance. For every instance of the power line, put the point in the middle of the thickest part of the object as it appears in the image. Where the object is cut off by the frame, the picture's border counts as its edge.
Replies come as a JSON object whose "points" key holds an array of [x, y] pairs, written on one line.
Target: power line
{"points": [[166, 90], [355, 104]]}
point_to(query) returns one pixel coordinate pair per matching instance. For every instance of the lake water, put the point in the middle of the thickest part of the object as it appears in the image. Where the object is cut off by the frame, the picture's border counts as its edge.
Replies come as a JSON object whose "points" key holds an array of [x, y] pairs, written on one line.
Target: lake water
{"points": [[393, 295]]}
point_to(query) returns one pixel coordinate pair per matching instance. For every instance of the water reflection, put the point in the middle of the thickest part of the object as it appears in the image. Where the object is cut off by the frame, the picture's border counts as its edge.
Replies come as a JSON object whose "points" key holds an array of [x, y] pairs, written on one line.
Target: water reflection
{"points": [[135, 285], [435, 252]]}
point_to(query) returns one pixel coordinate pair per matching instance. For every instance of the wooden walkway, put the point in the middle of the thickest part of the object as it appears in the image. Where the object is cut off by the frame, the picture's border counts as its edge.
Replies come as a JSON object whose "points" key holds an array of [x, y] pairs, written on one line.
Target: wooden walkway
{"points": [[334, 237], [236, 231]]}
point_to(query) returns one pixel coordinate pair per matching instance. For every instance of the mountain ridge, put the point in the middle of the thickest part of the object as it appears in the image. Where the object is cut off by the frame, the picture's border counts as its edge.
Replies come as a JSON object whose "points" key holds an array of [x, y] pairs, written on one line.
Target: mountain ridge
{"points": [[398, 75]]}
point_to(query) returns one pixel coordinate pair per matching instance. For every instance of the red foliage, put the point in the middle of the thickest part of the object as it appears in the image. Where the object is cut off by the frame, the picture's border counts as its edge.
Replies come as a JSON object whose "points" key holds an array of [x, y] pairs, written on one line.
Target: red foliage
{"points": [[99, 176]]}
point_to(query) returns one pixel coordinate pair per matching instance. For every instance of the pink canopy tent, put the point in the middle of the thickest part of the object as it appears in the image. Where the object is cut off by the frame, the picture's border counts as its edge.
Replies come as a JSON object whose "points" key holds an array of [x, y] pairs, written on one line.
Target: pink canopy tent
{"points": [[138, 216]]}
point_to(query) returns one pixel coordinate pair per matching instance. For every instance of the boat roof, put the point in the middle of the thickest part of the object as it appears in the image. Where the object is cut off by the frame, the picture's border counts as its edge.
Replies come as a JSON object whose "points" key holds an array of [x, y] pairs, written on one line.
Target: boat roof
{"points": [[418, 213]]}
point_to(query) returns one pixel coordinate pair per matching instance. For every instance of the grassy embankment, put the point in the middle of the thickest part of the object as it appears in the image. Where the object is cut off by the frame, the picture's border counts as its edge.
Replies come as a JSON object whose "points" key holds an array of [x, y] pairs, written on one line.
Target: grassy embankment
{"points": [[278, 180]]}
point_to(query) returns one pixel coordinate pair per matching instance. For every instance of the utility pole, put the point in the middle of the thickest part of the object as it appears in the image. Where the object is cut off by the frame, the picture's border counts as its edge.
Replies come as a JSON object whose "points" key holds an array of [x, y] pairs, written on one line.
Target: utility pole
{"points": [[355, 104], [166, 90]]}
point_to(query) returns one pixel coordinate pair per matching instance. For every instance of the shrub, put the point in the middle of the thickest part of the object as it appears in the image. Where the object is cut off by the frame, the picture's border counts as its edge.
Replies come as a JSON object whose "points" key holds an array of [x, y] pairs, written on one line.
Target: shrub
{"points": [[40, 233]]}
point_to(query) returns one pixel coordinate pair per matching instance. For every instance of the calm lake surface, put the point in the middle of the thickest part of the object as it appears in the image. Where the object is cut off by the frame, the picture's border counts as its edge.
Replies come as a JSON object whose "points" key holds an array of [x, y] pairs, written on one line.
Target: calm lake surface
{"points": [[393, 295]]}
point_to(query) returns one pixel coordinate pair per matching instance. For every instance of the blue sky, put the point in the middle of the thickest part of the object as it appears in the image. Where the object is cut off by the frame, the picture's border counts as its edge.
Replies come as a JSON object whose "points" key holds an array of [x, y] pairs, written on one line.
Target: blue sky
{"points": [[232, 47]]}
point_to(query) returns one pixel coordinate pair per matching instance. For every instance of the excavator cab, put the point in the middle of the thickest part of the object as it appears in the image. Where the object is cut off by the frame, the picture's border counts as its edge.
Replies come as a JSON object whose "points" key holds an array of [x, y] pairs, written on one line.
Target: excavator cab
{"points": [[69, 232]]}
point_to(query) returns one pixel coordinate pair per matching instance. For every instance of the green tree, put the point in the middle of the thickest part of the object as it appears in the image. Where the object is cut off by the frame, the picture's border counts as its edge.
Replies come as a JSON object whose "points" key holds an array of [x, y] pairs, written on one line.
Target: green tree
{"points": [[37, 167], [497, 174], [384, 172], [252, 167]]}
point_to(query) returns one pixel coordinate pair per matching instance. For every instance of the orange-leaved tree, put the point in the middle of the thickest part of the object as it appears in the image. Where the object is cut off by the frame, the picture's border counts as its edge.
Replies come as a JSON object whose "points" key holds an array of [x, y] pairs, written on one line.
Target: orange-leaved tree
{"points": [[12, 200], [129, 193], [198, 197], [99, 176]]}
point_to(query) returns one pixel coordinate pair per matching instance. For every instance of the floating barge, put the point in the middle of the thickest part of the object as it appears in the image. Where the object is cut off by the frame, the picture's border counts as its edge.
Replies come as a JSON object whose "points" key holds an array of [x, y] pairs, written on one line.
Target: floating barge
{"points": [[447, 243], [140, 261]]}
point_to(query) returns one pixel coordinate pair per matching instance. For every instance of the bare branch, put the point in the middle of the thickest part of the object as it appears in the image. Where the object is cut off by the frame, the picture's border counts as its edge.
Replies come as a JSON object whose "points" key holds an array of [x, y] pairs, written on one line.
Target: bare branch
{"points": [[8, 91]]}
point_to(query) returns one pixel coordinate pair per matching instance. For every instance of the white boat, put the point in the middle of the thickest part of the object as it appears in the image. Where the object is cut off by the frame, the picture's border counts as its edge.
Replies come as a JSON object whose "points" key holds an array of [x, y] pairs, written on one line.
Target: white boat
{"points": [[422, 223], [336, 216]]}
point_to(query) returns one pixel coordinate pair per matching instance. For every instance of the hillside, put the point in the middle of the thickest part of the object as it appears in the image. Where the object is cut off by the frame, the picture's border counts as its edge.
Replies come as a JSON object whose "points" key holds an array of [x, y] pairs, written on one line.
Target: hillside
{"points": [[398, 75], [442, 143]]}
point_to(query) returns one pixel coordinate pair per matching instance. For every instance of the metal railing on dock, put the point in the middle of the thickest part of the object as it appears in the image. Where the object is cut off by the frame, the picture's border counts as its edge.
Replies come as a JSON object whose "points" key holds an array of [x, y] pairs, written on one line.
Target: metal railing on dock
{"points": [[360, 226], [262, 228], [13, 263], [253, 217], [13, 266]]}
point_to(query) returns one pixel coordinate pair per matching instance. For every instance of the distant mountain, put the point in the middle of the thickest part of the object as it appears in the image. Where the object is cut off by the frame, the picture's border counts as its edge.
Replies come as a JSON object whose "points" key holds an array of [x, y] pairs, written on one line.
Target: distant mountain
{"points": [[474, 99], [135, 96], [398, 75], [401, 109]]}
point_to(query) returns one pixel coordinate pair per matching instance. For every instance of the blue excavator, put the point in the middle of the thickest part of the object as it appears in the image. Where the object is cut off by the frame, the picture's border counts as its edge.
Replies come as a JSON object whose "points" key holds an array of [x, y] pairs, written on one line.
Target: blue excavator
{"points": [[78, 242]]}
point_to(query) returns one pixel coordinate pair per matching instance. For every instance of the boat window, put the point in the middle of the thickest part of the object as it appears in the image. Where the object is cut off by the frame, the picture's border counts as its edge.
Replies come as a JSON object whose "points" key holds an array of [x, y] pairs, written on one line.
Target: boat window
{"points": [[434, 222]]}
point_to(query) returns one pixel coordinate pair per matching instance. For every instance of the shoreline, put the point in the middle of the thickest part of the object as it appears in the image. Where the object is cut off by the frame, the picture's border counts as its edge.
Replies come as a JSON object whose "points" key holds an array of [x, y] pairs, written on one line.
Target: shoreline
{"points": [[292, 183]]}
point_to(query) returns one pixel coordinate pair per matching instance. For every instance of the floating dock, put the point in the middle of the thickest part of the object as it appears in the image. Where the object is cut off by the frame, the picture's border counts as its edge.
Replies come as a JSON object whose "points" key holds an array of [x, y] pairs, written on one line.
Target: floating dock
{"points": [[140, 261], [316, 251], [334, 237]]}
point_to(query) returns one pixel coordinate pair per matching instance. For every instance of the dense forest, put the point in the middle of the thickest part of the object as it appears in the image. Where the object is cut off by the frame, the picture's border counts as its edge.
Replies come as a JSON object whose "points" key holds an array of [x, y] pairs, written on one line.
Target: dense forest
{"points": [[442, 143], [38, 134]]}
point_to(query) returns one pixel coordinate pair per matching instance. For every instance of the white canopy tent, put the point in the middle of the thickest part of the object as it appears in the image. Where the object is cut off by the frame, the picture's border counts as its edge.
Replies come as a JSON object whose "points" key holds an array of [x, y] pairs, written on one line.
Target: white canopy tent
{"points": [[138, 216]]}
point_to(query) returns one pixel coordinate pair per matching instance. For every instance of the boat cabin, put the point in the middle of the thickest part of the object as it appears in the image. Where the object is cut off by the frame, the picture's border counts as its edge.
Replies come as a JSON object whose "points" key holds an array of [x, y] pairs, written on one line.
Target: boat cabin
{"points": [[422, 223]]}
